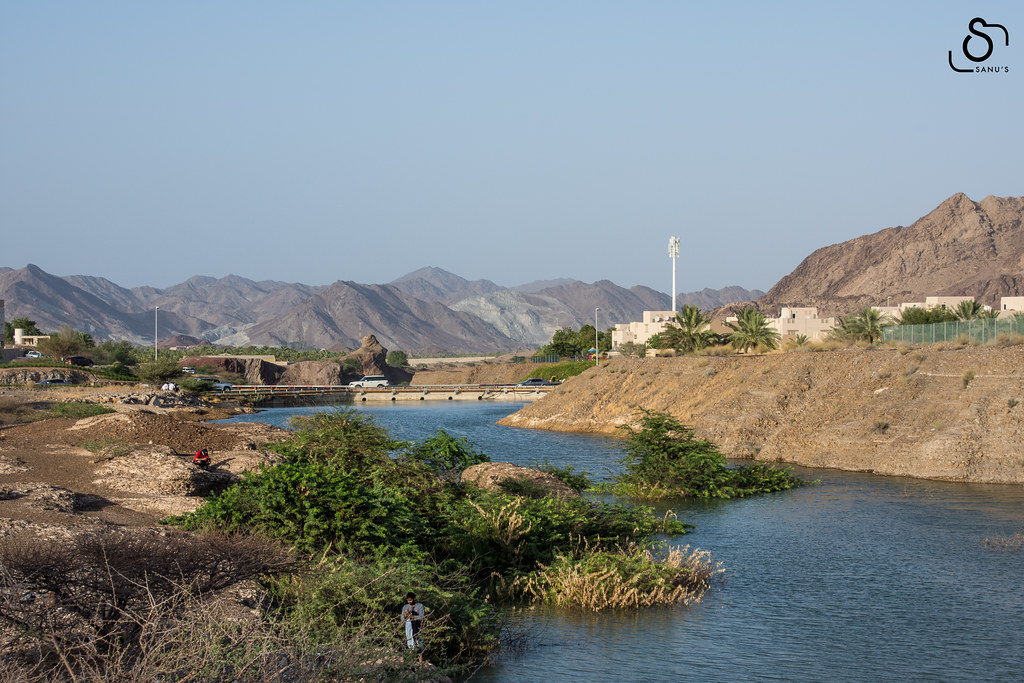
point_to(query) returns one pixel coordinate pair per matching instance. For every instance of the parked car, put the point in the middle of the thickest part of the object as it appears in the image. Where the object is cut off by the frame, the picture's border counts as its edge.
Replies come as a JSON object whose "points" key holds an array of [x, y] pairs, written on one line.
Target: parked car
{"points": [[216, 383], [189, 370], [534, 382], [33, 354], [79, 360], [51, 382], [377, 381]]}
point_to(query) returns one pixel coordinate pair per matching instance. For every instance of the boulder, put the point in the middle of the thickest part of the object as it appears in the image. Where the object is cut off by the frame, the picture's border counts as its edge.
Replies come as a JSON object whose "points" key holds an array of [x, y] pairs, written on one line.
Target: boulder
{"points": [[489, 475]]}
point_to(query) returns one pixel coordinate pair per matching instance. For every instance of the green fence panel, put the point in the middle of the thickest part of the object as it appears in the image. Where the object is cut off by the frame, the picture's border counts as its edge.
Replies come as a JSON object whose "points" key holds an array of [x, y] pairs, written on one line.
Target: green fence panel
{"points": [[979, 331]]}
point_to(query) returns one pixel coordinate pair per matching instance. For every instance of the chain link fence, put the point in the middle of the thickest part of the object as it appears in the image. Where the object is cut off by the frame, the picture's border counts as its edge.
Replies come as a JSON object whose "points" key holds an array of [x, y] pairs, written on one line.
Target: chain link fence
{"points": [[979, 331]]}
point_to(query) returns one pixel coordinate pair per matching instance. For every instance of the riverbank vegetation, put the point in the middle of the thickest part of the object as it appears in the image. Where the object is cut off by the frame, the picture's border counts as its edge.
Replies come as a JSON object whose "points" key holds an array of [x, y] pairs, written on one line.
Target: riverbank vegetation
{"points": [[375, 518], [664, 459]]}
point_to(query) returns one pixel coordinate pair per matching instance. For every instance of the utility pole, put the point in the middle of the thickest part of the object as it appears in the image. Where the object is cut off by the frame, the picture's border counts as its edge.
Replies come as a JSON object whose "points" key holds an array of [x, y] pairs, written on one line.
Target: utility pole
{"points": [[156, 332], [673, 253], [597, 348]]}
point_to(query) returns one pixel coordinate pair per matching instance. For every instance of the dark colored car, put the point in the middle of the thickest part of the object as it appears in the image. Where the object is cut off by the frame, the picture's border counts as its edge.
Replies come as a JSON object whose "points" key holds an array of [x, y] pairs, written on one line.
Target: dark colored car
{"points": [[79, 360], [534, 382], [51, 382]]}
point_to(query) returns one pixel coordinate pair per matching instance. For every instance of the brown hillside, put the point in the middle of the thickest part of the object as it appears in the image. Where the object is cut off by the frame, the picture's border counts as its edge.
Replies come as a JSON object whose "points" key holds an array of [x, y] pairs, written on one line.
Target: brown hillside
{"points": [[961, 248], [889, 411]]}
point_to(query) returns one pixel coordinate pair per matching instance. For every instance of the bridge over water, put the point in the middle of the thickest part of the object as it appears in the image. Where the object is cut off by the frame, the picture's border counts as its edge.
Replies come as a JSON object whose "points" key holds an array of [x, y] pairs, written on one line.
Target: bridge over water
{"points": [[288, 395]]}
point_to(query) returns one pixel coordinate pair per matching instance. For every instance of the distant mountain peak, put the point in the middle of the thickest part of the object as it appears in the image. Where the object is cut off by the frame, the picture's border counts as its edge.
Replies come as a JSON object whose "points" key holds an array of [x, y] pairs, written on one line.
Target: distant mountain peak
{"points": [[960, 247]]}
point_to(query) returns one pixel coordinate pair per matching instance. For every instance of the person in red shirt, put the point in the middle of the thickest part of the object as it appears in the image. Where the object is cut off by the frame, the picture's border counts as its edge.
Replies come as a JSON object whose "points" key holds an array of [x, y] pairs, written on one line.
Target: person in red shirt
{"points": [[202, 458]]}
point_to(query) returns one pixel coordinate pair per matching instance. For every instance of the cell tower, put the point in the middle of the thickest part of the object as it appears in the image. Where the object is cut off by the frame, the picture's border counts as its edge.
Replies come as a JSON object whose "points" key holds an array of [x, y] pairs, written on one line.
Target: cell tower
{"points": [[673, 253]]}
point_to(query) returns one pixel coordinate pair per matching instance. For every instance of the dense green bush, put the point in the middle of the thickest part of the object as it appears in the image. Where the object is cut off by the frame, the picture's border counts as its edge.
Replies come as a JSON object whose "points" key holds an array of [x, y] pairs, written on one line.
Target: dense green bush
{"points": [[665, 459]]}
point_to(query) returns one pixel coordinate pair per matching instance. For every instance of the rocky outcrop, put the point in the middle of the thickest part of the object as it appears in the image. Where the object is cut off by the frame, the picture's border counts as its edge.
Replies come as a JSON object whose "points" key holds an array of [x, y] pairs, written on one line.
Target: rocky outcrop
{"points": [[489, 475], [312, 373], [372, 359], [38, 374], [371, 356], [259, 371], [953, 414]]}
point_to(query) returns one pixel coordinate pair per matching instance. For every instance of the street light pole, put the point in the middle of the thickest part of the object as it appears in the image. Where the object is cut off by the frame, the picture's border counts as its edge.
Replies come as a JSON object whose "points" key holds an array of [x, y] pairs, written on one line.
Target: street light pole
{"points": [[673, 253], [156, 332], [597, 348]]}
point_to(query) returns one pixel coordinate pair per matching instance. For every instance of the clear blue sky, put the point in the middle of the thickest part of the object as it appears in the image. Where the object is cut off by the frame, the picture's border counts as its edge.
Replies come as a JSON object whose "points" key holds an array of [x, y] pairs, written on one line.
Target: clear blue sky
{"points": [[147, 142]]}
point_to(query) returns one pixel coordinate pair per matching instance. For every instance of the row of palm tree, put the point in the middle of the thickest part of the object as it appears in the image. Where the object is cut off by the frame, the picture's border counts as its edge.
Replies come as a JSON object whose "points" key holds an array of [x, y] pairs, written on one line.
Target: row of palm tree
{"points": [[692, 332]]}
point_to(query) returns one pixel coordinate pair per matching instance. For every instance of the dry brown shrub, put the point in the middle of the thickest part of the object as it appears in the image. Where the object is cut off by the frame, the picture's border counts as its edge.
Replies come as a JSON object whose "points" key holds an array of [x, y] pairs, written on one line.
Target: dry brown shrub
{"points": [[111, 606]]}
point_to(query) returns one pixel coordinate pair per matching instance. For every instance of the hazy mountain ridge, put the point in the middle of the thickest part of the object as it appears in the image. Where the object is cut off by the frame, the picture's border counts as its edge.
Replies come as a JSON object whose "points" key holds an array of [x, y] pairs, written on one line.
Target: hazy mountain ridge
{"points": [[435, 284], [340, 316]]}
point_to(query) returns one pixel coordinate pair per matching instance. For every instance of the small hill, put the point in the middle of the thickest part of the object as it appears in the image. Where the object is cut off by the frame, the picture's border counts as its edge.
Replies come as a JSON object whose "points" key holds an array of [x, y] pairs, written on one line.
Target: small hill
{"points": [[962, 247]]}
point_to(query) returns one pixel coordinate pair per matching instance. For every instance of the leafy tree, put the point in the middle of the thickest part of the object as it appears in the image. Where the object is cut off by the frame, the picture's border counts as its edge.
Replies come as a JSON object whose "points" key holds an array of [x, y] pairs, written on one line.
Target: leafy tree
{"points": [[66, 342], [751, 330], [915, 315], [159, 371], [397, 359], [109, 352], [564, 343], [86, 339]]}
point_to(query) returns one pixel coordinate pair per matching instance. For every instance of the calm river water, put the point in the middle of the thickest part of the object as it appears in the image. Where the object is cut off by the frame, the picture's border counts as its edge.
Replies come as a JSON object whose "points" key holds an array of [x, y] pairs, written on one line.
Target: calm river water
{"points": [[859, 578]]}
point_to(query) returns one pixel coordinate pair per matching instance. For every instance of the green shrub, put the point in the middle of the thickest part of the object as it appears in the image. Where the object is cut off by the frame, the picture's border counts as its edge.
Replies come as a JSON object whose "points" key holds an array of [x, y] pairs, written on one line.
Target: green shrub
{"points": [[665, 459], [446, 455], [76, 410], [568, 475], [559, 372]]}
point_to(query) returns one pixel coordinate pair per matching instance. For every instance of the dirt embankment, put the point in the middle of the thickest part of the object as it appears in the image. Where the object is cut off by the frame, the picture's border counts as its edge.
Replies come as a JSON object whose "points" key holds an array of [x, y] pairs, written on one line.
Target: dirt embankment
{"points": [[483, 373], [954, 414]]}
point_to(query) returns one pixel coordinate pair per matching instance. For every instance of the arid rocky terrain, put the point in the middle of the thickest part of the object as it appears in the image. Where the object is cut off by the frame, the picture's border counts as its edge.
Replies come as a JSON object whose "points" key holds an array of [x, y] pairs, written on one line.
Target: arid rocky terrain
{"points": [[128, 468], [931, 412]]}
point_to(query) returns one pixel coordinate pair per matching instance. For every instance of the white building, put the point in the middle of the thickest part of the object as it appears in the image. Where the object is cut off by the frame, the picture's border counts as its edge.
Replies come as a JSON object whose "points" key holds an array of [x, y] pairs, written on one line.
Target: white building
{"points": [[639, 332]]}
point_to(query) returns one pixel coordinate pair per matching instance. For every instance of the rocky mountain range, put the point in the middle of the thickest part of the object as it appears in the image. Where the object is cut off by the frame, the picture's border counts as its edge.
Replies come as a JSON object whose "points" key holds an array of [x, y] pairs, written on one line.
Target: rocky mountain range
{"points": [[960, 248], [428, 310]]}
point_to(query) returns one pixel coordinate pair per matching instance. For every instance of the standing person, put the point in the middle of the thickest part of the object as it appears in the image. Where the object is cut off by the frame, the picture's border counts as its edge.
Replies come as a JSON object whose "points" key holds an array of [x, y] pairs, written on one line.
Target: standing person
{"points": [[412, 616]]}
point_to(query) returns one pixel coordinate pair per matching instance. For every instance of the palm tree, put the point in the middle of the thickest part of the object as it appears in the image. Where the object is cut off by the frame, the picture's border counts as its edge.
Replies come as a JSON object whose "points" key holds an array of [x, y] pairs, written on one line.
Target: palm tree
{"points": [[692, 323], [968, 309], [866, 325], [751, 330]]}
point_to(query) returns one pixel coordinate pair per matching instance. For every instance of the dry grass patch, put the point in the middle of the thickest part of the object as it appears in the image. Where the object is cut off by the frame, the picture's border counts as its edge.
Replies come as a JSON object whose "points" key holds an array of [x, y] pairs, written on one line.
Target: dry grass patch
{"points": [[594, 579]]}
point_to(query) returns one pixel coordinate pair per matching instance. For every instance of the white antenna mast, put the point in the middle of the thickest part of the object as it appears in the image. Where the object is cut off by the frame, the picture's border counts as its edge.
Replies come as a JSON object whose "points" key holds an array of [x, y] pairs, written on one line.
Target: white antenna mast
{"points": [[673, 253]]}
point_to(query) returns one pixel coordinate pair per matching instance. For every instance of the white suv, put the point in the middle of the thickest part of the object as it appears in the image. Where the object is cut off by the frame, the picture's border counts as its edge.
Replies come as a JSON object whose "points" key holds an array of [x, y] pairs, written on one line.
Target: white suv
{"points": [[378, 381]]}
